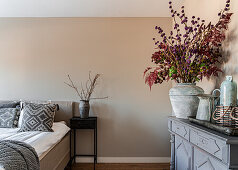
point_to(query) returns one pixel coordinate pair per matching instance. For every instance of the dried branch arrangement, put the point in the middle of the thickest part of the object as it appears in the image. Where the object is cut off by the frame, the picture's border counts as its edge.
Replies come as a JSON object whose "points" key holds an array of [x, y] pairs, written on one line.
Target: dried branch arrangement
{"points": [[85, 93]]}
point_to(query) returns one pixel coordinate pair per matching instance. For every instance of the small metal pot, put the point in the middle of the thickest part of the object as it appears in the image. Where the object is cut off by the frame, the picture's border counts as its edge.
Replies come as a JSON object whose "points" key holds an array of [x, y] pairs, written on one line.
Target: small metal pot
{"points": [[84, 108]]}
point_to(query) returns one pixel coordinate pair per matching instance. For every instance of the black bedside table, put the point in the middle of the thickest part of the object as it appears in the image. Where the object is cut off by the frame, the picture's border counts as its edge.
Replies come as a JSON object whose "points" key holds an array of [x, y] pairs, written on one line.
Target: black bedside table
{"points": [[88, 123]]}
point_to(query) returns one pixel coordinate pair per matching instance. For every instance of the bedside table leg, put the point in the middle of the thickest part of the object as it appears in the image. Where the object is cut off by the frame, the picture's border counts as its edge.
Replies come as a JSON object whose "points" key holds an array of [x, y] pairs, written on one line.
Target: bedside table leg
{"points": [[70, 152], [96, 143], [94, 148], [74, 157]]}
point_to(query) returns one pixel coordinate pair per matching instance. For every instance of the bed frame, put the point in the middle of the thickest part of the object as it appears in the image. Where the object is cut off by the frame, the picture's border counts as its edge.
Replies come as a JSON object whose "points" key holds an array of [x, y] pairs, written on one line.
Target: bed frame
{"points": [[58, 156]]}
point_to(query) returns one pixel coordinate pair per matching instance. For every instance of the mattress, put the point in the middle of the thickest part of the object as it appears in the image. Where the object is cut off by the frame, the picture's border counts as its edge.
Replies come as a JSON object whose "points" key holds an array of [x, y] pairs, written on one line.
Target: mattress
{"points": [[43, 142]]}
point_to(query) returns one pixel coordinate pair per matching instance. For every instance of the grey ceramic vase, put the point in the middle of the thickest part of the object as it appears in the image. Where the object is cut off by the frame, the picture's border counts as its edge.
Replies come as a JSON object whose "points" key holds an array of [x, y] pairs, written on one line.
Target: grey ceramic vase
{"points": [[184, 99], [84, 108]]}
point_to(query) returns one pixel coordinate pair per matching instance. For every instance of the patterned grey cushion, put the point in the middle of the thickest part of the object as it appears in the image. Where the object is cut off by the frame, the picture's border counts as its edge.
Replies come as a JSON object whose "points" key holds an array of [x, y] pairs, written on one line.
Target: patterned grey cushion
{"points": [[9, 117], [10, 104], [38, 117]]}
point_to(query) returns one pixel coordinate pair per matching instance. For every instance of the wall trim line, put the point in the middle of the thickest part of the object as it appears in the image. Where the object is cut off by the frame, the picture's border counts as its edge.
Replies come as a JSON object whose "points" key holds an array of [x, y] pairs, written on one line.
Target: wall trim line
{"points": [[124, 159]]}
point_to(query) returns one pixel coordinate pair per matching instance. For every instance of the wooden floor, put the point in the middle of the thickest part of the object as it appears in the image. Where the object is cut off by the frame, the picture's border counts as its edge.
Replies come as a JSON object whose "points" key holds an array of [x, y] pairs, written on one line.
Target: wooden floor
{"points": [[102, 166]]}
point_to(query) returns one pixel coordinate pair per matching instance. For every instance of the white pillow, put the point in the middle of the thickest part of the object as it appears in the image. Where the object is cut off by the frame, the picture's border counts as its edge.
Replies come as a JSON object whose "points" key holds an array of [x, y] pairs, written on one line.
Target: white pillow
{"points": [[20, 119]]}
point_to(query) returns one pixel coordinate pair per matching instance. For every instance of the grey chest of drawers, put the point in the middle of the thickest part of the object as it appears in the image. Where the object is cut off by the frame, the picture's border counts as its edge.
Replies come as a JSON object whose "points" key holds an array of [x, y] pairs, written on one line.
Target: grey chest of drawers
{"points": [[197, 148]]}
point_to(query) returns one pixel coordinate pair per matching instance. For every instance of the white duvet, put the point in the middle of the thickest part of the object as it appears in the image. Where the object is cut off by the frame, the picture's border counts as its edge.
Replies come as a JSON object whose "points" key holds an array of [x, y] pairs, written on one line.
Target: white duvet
{"points": [[41, 141]]}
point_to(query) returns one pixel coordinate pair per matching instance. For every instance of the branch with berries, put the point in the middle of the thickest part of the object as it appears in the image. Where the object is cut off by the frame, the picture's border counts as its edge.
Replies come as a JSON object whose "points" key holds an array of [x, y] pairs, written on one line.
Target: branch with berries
{"points": [[190, 55]]}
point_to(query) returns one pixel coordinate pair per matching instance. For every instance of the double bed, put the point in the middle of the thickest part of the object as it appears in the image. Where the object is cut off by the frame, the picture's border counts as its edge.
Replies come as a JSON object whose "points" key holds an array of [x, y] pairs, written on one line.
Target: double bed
{"points": [[52, 148]]}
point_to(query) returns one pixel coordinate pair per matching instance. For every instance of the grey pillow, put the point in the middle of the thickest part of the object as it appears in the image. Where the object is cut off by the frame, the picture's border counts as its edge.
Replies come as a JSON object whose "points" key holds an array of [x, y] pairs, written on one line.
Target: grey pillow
{"points": [[38, 117], [9, 117], [10, 104]]}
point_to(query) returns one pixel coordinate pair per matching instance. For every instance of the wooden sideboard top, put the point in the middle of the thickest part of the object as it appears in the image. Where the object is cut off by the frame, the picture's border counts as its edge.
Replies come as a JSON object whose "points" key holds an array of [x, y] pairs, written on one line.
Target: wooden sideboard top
{"points": [[228, 139]]}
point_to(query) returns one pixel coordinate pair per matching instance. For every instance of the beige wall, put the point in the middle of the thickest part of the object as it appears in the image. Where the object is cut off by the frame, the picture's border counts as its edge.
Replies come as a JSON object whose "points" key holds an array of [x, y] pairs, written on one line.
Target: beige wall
{"points": [[85, 8], [37, 53], [209, 10]]}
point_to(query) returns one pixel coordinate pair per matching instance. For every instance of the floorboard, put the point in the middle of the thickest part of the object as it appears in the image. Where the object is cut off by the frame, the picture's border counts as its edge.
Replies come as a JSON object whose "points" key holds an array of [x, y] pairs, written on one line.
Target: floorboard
{"points": [[116, 166]]}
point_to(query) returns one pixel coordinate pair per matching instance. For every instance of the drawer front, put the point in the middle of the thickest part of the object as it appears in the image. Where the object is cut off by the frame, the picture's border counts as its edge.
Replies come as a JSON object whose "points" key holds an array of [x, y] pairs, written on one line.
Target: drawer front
{"points": [[183, 154], [203, 161], [180, 129], [210, 144], [85, 124]]}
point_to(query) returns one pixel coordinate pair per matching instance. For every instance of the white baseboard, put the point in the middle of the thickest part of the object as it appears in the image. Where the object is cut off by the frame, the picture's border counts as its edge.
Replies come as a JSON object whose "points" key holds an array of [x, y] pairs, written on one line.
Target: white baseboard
{"points": [[124, 159]]}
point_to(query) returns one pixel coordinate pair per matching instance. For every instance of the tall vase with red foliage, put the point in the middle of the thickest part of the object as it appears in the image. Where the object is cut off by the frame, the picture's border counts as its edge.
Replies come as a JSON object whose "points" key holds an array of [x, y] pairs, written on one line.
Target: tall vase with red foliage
{"points": [[192, 51]]}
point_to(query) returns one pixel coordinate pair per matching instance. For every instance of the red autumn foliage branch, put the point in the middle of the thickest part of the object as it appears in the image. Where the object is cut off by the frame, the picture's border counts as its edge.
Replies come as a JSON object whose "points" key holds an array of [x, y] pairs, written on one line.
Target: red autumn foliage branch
{"points": [[190, 56]]}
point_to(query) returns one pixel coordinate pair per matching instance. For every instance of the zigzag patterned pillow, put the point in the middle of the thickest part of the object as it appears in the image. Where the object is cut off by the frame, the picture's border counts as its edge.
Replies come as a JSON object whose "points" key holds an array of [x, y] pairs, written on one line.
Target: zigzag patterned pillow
{"points": [[9, 117], [38, 117]]}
